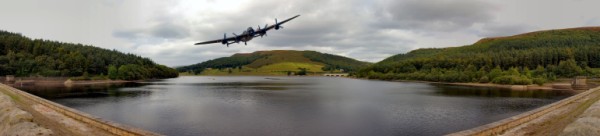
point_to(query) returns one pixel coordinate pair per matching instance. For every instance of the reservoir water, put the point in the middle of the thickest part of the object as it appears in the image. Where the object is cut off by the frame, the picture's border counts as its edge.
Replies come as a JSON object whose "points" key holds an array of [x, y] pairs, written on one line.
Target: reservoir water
{"points": [[295, 106]]}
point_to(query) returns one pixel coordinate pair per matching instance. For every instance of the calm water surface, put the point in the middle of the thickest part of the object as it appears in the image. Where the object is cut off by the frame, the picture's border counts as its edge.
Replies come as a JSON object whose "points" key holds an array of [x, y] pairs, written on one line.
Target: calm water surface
{"points": [[302, 106]]}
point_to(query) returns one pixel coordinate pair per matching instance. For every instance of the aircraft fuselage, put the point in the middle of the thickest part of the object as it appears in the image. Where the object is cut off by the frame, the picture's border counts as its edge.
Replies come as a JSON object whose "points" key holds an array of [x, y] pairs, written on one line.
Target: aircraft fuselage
{"points": [[246, 36], [249, 34]]}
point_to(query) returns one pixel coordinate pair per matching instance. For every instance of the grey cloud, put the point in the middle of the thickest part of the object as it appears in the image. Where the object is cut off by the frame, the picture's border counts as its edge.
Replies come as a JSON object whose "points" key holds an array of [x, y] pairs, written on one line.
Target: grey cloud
{"points": [[169, 30], [363, 29], [496, 30], [325, 24], [593, 22], [320, 23], [162, 30], [438, 15], [129, 34], [159, 25]]}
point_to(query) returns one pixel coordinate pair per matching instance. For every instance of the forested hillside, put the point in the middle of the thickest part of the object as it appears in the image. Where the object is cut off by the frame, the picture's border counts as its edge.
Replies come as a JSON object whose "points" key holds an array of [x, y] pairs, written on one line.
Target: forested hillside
{"points": [[334, 61], [234, 61], [278, 61], [22, 56], [535, 57]]}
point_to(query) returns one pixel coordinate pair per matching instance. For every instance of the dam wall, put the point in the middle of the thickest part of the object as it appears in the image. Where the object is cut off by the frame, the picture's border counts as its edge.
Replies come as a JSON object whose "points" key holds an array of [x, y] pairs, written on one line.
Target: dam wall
{"points": [[111, 127], [499, 127], [15, 121]]}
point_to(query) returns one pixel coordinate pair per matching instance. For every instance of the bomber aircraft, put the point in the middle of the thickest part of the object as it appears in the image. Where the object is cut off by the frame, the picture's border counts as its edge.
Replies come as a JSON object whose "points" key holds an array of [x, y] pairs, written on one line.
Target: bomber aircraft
{"points": [[248, 34]]}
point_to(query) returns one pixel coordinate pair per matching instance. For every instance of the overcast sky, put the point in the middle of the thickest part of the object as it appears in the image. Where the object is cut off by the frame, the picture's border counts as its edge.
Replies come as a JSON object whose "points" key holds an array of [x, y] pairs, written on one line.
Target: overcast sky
{"points": [[367, 30]]}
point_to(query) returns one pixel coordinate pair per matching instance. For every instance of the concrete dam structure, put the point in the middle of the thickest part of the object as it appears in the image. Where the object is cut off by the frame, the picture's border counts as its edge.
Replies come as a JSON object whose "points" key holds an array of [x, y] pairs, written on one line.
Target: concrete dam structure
{"points": [[27, 114]]}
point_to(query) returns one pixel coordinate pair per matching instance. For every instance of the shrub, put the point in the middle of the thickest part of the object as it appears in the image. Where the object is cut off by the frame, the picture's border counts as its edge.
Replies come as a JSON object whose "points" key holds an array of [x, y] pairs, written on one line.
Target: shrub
{"points": [[503, 80], [539, 81], [569, 68], [484, 79], [512, 80], [523, 80]]}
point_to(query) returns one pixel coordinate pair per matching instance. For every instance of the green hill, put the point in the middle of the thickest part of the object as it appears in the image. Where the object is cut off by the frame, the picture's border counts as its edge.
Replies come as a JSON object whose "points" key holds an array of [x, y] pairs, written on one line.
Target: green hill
{"points": [[22, 56], [534, 57], [276, 62]]}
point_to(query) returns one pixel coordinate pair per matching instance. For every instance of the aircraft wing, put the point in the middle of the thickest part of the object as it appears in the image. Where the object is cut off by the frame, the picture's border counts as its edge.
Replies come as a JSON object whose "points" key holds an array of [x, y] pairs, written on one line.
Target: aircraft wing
{"points": [[226, 39], [213, 41], [260, 32], [279, 23]]}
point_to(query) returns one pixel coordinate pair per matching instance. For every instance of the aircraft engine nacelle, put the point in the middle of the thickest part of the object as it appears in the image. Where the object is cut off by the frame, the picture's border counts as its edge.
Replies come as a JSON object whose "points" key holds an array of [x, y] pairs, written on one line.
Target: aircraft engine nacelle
{"points": [[262, 32], [224, 41], [277, 25]]}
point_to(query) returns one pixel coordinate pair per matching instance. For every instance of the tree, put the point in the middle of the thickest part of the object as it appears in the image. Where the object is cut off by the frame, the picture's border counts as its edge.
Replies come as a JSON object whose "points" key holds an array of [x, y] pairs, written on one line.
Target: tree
{"points": [[513, 71], [113, 72], [302, 71], [132, 72], [539, 71], [496, 72], [561, 53], [527, 72], [22, 56], [569, 68]]}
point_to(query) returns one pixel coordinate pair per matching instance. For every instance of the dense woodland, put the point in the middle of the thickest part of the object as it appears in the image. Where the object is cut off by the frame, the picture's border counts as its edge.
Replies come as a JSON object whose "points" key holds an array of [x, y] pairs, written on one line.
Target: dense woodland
{"points": [[531, 58], [22, 56], [332, 62]]}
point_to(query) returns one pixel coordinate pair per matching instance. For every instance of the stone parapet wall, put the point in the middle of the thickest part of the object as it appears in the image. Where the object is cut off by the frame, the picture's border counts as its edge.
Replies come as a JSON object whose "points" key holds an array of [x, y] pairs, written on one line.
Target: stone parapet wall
{"points": [[499, 127], [14, 121], [110, 127]]}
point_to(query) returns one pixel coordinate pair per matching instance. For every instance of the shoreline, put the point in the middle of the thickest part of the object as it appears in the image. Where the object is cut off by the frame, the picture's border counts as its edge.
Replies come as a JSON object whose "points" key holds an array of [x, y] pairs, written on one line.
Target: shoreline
{"points": [[46, 82], [552, 86], [559, 85], [261, 75]]}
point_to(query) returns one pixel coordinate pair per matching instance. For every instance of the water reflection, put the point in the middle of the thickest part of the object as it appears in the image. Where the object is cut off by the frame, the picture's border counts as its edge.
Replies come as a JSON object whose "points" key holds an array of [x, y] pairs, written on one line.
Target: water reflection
{"points": [[258, 106], [455, 90], [86, 91]]}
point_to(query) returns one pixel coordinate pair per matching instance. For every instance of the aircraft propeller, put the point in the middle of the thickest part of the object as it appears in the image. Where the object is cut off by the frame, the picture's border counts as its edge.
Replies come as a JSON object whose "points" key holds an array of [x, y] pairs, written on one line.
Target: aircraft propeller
{"points": [[237, 38], [224, 41], [265, 32], [277, 26], [262, 32]]}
